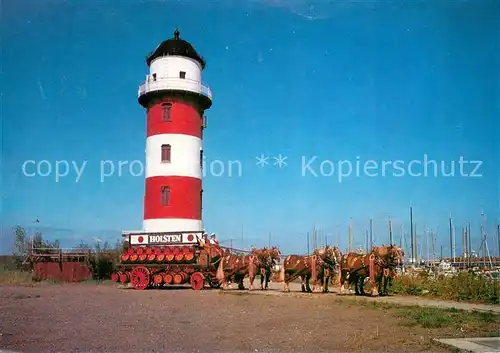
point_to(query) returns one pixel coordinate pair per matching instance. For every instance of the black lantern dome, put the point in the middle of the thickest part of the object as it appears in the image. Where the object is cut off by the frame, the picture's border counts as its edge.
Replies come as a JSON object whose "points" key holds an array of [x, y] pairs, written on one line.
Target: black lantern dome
{"points": [[176, 46]]}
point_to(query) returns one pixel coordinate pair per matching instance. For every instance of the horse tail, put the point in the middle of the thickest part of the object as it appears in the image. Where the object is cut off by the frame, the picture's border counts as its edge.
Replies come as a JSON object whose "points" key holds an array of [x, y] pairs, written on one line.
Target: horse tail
{"points": [[251, 268], [220, 270], [282, 273], [314, 270]]}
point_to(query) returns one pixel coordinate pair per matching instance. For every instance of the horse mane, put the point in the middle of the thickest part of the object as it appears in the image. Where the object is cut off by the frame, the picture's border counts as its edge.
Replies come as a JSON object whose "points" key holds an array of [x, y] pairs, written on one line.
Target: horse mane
{"points": [[388, 252]]}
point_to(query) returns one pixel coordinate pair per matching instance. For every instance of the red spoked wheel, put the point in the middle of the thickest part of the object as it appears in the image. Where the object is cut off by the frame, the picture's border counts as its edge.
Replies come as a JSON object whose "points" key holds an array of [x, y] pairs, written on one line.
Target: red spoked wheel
{"points": [[124, 277], [197, 280], [140, 278], [115, 277]]}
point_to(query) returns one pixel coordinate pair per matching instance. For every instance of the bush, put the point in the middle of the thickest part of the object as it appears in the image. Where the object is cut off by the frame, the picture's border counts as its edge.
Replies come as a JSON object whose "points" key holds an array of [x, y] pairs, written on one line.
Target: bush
{"points": [[464, 286], [17, 268], [102, 260], [14, 276], [101, 265]]}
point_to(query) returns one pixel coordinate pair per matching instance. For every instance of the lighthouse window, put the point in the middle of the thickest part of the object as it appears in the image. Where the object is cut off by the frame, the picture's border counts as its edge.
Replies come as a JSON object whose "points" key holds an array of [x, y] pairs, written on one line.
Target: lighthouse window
{"points": [[167, 108], [201, 159], [182, 74], [165, 195], [166, 151]]}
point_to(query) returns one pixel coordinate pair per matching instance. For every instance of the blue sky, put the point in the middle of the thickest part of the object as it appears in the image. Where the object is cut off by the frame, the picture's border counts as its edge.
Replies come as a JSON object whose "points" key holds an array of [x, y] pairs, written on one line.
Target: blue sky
{"points": [[337, 80]]}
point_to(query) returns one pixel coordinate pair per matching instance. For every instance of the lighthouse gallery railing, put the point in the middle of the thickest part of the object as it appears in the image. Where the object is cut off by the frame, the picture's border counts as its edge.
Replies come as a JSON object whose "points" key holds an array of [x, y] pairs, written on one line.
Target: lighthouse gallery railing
{"points": [[175, 83]]}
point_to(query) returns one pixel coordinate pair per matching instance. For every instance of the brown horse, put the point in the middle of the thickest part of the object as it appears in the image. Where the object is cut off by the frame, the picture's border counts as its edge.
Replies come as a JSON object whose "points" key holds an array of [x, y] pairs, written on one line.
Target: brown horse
{"points": [[263, 262], [316, 267], [210, 256], [237, 267], [385, 270], [233, 268], [377, 265], [329, 258]]}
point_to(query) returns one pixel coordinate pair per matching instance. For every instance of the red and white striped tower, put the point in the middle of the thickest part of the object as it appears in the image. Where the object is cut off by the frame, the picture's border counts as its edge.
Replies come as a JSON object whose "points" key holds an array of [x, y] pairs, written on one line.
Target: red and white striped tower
{"points": [[175, 99]]}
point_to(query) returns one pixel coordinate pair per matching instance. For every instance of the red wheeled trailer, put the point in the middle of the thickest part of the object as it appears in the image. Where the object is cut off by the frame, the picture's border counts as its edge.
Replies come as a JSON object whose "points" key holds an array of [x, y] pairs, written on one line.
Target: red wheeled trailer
{"points": [[154, 260]]}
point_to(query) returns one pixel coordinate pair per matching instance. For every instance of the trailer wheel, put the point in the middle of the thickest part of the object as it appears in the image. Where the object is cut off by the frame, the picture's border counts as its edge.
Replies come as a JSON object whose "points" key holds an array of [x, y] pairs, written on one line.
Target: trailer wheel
{"points": [[140, 278], [197, 281]]}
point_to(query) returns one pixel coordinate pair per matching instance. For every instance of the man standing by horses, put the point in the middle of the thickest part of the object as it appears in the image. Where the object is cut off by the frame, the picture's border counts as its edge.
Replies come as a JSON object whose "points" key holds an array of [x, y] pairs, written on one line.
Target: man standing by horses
{"points": [[203, 241], [213, 240]]}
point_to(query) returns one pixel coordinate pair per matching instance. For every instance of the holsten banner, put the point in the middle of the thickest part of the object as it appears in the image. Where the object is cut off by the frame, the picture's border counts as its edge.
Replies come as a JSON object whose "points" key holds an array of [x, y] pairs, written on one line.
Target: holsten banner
{"points": [[163, 238]]}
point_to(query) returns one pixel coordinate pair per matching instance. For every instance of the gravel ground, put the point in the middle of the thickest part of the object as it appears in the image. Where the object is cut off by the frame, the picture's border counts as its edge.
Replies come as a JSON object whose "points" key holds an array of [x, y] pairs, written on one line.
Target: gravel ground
{"points": [[104, 318]]}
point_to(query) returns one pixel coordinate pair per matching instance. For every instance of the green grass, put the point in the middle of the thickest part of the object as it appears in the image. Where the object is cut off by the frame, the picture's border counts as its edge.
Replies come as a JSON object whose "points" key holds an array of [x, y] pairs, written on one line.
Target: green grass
{"points": [[438, 318], [462, 287], [452, 319]]}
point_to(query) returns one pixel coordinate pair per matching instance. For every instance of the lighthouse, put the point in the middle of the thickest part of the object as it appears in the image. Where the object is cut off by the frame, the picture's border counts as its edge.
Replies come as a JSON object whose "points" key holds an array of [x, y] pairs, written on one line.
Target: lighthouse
{"points": [[175, 100]]}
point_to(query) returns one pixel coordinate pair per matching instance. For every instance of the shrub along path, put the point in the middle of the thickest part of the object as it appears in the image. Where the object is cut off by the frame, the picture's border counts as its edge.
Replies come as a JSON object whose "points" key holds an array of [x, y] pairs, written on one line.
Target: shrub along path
{"points": [[277, 289]]}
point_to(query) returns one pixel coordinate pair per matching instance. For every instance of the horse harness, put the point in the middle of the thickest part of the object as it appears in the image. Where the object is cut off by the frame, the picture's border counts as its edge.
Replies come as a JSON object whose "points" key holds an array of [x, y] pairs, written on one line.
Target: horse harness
{"points": [[331, 265], [376, 260]]}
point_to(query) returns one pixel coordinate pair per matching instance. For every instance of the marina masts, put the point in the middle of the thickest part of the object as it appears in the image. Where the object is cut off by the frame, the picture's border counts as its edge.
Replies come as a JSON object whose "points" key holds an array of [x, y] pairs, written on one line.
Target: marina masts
{"points": [[411, 236], [452, 247], [370, 244], [498, 236], [390, 231], [349, 238]]}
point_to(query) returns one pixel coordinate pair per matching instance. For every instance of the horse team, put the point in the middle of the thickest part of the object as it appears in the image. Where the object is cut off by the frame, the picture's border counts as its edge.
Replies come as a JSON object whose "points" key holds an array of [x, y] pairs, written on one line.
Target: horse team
{"points": [[324, 266]]}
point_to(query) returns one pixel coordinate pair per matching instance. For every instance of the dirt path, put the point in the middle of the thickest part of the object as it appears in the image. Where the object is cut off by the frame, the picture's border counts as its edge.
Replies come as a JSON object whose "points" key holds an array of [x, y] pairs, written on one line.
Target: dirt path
{"points": [[277, 289], [103, 318]]}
